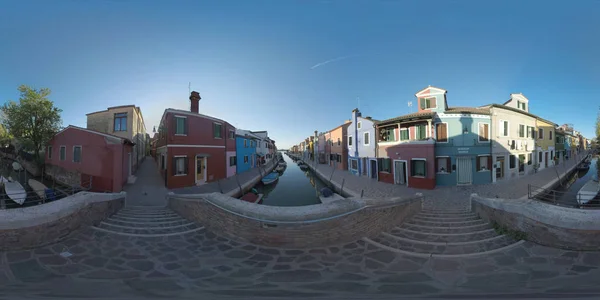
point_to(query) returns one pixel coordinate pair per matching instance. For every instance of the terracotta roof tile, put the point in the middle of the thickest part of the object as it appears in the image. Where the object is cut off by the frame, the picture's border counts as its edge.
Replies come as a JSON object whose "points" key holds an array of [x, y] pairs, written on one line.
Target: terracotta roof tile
{"points": [[417, 115], [470, 110]]}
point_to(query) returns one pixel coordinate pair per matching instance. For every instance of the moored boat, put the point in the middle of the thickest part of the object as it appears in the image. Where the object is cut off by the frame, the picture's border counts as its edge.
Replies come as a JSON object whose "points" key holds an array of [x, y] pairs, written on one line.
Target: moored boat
{"points": [[588, 192], [38, 187], [280, 168], [270, 178], [15, 191], [252, 197], [327, 196], [303, 167]]}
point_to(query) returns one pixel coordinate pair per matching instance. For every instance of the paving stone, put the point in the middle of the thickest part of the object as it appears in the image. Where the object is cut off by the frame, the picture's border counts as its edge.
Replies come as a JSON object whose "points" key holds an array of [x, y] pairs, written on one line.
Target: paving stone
{"points": [[349, 268], [355, 259], [237, 254], [96, 261], [305, 258], [141, 265], [404, 266], [282, 267], [114, 267], [406, 277], [168, 258], [439, 264], [261, 257], [382, 256], [581, 269], [535, 260], [171, 266], [408, 289], [317, 251], [223, 268], [43, 251], [517, 253], [195, 274], [133, 256], [18, 256], [262, 264], [224, 247], [157, 274], [164, 285], [535, 275], [265, 293], [249, 247], [371, 264], [269, 251], [107, 274], [285, 259], [292, 276], [349, 287], [591, 259], [505, 260], [71, 269], [31, 271], [352, 277], [53, 260], [312, 266], [479, 269], [243, 273], [571, 254], [294, 252], [334, 250], [497, 280]]}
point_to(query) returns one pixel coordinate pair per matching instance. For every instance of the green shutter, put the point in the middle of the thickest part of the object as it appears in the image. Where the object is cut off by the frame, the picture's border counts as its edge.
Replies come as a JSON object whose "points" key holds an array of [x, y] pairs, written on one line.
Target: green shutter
{"points": [[422, 103]]}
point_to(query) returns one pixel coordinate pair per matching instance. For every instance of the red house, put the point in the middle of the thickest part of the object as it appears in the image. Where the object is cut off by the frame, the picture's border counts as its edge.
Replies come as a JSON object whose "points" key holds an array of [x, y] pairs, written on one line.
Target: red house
{"points": [[193, 149], [84, 157]]}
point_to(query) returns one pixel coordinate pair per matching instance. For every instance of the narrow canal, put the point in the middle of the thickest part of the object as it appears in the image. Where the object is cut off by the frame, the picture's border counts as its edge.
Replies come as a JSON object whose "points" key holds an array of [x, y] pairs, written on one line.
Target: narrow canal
{"points": [[575, 182], [294, 187]]}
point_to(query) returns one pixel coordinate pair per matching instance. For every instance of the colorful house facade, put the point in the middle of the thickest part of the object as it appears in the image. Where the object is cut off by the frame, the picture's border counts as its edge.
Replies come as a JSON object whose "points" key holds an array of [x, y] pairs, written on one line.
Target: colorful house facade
{"points": [[245, 146], [193, 148], [545, 143], [559, 145], [339, 151], [361, 143], [88, 158]]}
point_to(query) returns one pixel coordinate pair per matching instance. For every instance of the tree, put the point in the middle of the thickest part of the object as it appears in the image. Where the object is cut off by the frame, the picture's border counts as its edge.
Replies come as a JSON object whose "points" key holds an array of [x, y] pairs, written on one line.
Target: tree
{"points": [[34, 120]]}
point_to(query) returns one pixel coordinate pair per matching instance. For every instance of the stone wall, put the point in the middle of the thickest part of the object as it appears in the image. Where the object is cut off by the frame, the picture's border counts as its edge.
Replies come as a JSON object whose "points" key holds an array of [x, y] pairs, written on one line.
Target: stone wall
{"points": [[545, 224], [35, 226], [62, 175], [295, 227]]}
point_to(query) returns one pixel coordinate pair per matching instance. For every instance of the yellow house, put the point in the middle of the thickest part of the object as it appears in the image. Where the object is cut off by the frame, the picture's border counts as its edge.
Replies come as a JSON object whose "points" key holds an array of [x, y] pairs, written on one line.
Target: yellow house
{"points": [[545, 142]]}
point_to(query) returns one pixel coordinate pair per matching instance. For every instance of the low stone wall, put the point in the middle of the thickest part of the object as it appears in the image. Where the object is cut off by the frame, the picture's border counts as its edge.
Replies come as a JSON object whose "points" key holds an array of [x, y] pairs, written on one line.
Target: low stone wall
{"points": [[295, 227], [29, 227], [545, 224]]}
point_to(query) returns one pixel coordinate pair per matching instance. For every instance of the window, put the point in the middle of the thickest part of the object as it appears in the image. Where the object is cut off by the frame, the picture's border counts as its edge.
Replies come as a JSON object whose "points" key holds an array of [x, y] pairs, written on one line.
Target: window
{"points": [[484, 132], [120, 122], [541, 135], [76, 153], [233, 161], [550, 135], [512, 162], [349, 141], [443, 165], [529, 158], [232, 134], [180, 164], [418, 168], [245, 143], [385, 165], [521, 163], [504, 128], [484, 163], [339, 141], [366, 141], [521, 105], [245, 159], [49, 152], [531, 132], [217, 131], [521, 130], [387, 134], [421, 131], [63, 152], [404, 134], [427, 103], [339, 158], [354, 164], [358, 125], [180, 125], [441, 132]]}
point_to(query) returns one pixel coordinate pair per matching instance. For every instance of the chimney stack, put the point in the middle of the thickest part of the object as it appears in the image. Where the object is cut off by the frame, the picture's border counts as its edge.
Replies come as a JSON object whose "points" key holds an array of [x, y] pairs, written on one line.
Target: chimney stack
{"points": [[194, 101]]}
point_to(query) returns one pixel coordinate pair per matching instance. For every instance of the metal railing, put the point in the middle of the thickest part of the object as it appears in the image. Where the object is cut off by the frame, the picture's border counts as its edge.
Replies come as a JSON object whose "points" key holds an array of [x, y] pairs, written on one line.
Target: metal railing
{"points": [[562, 198]]}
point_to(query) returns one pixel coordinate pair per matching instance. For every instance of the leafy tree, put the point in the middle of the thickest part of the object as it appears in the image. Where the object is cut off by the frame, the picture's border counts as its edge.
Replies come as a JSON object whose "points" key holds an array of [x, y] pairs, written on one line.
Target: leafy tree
{"points": [[34, 120]]}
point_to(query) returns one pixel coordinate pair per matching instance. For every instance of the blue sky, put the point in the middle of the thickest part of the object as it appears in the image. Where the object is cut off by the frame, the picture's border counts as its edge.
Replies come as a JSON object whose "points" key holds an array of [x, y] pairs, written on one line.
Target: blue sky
{"points": [[253, 61]]}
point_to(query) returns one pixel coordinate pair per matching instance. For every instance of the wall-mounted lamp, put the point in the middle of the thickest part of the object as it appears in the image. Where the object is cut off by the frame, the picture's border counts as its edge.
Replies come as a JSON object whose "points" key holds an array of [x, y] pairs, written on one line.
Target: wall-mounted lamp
{"points": [[466, 130]]}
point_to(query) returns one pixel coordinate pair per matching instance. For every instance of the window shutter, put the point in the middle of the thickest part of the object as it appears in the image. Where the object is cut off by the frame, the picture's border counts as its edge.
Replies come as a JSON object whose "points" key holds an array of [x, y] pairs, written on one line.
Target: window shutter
{"points": [[422, 103], [478, 163], [186, 167], [432, 102], [185, 126], [445, 131], [174, 166], [489, 162]]}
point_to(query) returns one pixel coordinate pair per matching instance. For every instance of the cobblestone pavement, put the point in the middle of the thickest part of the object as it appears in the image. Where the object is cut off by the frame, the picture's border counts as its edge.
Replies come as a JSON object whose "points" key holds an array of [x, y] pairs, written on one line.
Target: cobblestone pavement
{"points": [[149, 187], [445, 197], [109, 266]]}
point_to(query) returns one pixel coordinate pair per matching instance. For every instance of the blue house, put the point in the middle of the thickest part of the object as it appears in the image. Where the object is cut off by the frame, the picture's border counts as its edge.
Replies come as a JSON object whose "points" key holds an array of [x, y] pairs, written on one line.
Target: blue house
{"points": [[361, 144], [245, 147], [462, 140]]}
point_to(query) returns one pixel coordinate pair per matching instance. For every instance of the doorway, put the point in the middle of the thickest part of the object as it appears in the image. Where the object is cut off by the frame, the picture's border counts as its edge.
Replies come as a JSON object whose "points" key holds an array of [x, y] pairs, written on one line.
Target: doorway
{"points": [[545, 159], [363, 166], [130, 162], [464, 170], [400, 172], [499, 167], [373, 168], [200, 170]]}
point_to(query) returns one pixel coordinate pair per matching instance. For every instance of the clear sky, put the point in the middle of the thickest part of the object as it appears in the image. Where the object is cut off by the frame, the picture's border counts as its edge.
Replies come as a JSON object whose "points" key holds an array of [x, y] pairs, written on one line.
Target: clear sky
{"points": [[261, 64]]}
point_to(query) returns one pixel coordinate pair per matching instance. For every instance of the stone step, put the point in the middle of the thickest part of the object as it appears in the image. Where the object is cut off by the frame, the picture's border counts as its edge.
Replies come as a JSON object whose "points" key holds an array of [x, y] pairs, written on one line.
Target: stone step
{"points": [[144, 212], [456, 229], [146, 223], [445, 211], [148, 231], [444, 223], [145, 208], [443, 216], [157, 215], [144, 226], [451, 219], [444, 237], [440, 248], [484, 248], [141, 219]]}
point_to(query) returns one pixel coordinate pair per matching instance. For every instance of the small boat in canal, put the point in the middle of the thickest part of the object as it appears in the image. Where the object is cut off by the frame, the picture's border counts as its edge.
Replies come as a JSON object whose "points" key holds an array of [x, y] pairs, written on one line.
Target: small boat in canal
{"points": [[15, 191], [270, 178], [583, 166], [280, 168], [38, 187], [283, 163], [328, 196], [303, 167], [588, 192], [3, 180], [253, 196]]}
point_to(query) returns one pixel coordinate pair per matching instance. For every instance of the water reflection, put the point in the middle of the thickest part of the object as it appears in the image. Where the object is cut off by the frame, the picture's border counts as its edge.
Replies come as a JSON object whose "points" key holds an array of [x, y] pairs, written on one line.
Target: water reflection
{"points": [[576, 182], [294, 187]]}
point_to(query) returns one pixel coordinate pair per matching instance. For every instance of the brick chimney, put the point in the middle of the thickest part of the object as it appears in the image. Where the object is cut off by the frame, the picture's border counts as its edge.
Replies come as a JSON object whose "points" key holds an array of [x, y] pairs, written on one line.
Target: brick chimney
{"points": [[194, 100]]}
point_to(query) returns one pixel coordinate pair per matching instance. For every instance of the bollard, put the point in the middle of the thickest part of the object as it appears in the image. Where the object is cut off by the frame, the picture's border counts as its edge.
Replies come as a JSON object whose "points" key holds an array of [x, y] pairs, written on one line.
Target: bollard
{"points": [[219, 184], [342, 188], [362, 192]]}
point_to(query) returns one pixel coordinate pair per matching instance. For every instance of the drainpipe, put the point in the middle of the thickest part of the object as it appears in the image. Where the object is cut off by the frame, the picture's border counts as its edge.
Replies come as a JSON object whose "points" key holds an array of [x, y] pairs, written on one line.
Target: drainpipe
{"points": [[355, 125]]}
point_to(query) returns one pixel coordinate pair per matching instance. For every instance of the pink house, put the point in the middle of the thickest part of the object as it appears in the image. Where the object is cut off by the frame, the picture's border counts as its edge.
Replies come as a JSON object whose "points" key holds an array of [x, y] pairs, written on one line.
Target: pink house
{"points": [[79, 156]]}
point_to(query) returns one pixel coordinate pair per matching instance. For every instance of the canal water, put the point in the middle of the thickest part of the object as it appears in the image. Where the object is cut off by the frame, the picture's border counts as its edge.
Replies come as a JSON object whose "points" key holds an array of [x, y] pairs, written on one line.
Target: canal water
{"points": [[575, 182], [294, 187]]}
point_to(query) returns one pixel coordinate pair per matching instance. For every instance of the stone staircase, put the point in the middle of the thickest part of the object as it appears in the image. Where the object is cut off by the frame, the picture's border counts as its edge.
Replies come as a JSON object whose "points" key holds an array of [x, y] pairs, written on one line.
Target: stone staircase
{"points": [[447, 233], [147, 221]]}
